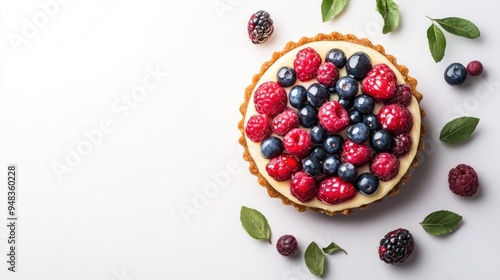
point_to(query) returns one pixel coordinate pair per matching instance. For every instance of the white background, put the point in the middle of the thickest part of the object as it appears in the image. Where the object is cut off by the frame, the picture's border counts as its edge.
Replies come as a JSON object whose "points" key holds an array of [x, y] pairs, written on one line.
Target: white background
{"points": [[114, 211]]}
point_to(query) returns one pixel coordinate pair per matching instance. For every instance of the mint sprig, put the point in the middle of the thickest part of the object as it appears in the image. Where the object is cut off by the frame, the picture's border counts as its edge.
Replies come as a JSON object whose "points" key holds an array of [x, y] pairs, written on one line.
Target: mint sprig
{"points": [[458, 130], [315, 260], [441, 222]]}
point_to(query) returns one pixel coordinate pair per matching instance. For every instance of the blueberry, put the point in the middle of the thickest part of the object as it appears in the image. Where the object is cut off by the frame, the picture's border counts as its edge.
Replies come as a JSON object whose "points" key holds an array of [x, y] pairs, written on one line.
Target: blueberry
{"points": [[347, 87], [318, 152], [347, 172], [297, 96], [346, 103], [332, 89], [318, 134], [381, 140], [286, 76], [337, 57], [331, 165], [355, 117], [317, 94], [367, 183], [358, 133], [358, 65], [333, 143], [271, 147], [371, 121], [312, 166], [364, 104], [308, 115], [455, 74]]}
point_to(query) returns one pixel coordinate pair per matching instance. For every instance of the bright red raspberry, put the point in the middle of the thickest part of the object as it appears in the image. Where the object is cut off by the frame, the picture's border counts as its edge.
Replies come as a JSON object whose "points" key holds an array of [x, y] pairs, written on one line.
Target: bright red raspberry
{"points": [[385, 166], [297, 142], [285, 121], [327, 74], [306, 64], [282, 167], [333, 190], [303, 187], [395, 118], [258, 127], [463, 180], [380, 82], [474, 68], [355, 154], [333, 117], [270, 98], [401, 145], [402, 96]]}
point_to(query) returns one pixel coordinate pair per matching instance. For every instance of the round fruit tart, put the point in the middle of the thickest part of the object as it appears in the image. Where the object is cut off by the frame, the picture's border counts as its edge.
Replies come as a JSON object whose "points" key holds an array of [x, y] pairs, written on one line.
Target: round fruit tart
{"points": [[331, 124]]}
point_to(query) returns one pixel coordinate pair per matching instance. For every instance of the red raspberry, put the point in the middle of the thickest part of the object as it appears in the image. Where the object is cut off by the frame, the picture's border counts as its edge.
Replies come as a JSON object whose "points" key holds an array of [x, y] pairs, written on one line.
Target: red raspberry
{"points": [[380, 82], [270, 99], [306, 64], [285, 121], [355, 154], [402, 96], [287, 245], [297, 142], [474, 68], [333, 190], [258, 127], [395, 118], [401, 145], [303, 187], [327, 74], [282, 167], [333, 117], [463, 180], [385, 166]]}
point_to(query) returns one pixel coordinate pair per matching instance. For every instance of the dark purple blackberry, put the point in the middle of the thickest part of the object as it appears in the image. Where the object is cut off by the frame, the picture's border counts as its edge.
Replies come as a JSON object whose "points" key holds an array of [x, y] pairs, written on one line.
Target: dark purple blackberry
{"points": [[287, 245], [260, 27], [396, 246]]}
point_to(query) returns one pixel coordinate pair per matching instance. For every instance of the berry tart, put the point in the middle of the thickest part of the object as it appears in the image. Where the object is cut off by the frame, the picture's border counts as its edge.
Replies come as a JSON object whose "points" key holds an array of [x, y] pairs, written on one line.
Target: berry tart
{"points": [[332, 124]]}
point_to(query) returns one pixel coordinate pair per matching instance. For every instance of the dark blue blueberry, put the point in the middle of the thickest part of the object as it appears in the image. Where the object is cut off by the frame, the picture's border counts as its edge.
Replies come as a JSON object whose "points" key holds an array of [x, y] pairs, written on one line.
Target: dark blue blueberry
{"points": [[318, 134], [347, 87], [358, 65], [367, 183], [308, 115], [271, 147], [332, 89], [347, 172], [286, 76], [331, 165], [364, 104], [346, 103], [317, 94], [355, 117], [358, 133], [337, 57], [371, 121], [333, 143], [312, 166], [318, 152], [455, 74], [297, 96], [381, 140]]}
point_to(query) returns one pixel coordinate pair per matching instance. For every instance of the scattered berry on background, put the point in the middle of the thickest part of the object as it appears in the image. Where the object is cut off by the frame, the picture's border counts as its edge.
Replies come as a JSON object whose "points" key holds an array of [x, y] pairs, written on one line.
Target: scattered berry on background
{"points": [[402, 145], [297, 96], [287, 245], [381, 140], [333, 117], [358, 133], [317, 94], [308, 115], [402, 96], [364, 104], [312, 166], [385, 166], [318, 134], [355, 117], [286, 76], [285, 121], [327, 74], [306, 64], [297, 142], [395, 118], [333, 190], [271, 147], [455, 74], [347, 172], [258, 127], [270, 98], [303, 187], [337, 57], [356, 154], [318, 152], [371, 121], [396, 246], [331, 165], [260, 27], [358, 65], [367, 183], [347, 87], [380, 82], [333, 143], [282, 167], [474, 68], [463, 180]]}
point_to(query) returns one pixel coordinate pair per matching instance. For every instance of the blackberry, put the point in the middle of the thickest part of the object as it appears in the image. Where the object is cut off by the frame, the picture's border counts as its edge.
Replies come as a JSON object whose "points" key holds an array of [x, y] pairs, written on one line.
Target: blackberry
{"points": [[260, 27], [396, 246]]}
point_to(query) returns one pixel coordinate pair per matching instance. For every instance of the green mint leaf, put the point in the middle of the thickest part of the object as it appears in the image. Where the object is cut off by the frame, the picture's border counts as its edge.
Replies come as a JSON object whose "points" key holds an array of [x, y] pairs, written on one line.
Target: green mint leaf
{"points": [[255, 224], [332, 248], [315, 260], [390, 13], [458, 130], [441, 222], [437, 42], [459, 27], [331, 8]]}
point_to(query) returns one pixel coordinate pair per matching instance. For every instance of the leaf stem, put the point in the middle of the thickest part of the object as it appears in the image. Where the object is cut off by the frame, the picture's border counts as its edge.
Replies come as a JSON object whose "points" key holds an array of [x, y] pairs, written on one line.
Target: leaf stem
{"points": [[430, 18]]}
